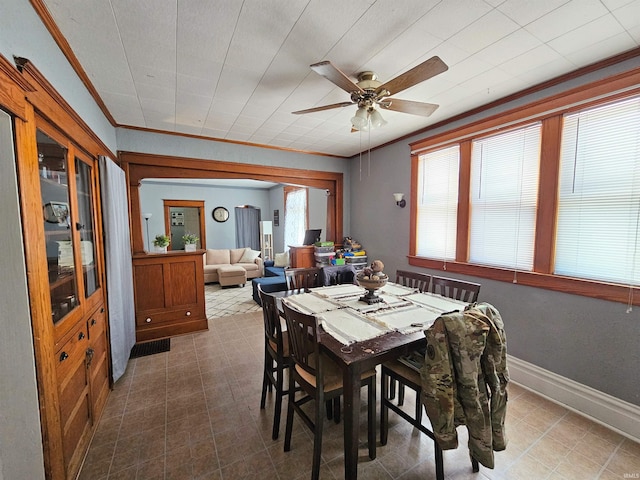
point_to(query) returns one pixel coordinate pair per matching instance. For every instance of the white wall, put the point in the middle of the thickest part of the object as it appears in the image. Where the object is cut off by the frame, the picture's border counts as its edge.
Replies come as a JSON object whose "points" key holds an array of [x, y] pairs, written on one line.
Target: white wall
{"points": [[222, 235], [219, 235], [318, 211]]}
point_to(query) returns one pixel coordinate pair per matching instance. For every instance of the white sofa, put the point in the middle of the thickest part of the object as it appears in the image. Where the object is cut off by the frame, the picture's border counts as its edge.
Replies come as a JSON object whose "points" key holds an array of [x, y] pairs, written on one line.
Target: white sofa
{"points": [[216, 258]]}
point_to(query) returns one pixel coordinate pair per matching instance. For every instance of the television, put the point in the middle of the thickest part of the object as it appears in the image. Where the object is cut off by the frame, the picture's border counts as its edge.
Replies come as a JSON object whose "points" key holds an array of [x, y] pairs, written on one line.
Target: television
{"points": [[312, 236]]}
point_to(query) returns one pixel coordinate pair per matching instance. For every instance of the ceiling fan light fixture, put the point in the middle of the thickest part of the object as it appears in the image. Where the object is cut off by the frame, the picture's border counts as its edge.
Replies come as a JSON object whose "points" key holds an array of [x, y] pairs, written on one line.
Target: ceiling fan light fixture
{"points": [[376, 119], [361, 119]]}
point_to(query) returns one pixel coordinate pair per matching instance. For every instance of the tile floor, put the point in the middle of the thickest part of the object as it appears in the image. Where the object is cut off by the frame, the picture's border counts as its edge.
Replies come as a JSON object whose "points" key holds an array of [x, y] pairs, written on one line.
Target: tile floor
{"points": [[193, 413]]}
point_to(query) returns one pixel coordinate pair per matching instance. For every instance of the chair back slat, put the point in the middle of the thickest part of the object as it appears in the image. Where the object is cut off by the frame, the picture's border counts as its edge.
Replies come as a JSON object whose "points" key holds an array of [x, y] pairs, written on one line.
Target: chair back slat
{"points": [[271, 317], [302, 277], [456, 289], [303, 339], [419, 281]]}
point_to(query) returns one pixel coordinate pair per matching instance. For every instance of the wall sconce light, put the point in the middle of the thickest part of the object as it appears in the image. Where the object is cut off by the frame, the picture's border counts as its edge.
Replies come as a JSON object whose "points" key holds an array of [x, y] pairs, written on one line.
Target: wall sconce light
{"points": [[399, 198]]}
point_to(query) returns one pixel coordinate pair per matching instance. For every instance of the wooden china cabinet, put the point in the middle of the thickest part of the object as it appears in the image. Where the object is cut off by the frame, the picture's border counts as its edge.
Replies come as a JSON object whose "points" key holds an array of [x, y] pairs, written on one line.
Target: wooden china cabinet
{"points": [[56, 161]]}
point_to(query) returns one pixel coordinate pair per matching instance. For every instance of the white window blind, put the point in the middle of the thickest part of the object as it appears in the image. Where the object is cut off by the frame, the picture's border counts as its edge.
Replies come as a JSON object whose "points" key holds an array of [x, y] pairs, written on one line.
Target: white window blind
{"points": [[438, 203], [504, 193], [599, 197]]}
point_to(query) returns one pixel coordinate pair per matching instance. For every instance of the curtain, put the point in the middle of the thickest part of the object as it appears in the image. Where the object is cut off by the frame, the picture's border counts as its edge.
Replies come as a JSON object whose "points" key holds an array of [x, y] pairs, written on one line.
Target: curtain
{"points": [[295, 217], [248, 227], [115, 213]]}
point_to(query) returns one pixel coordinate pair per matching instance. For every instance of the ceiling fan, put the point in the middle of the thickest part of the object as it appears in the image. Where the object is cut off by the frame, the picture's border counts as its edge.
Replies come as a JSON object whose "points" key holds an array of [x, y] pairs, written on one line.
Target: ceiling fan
{"points": [[369, 92]]}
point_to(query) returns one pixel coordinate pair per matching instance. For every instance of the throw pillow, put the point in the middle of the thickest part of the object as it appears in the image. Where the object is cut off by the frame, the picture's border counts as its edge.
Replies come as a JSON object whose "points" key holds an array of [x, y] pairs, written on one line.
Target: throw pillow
{"points": [[281, 260], [249, 256]]}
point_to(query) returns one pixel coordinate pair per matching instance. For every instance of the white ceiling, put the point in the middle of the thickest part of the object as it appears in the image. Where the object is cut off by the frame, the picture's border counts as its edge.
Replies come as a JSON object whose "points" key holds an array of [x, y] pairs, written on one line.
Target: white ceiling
{"points": [[236, 69]]}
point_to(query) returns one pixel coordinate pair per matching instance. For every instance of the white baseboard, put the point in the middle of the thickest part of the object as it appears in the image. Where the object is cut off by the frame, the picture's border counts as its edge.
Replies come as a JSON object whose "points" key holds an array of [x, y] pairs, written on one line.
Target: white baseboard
{"points": [[600, 407]]}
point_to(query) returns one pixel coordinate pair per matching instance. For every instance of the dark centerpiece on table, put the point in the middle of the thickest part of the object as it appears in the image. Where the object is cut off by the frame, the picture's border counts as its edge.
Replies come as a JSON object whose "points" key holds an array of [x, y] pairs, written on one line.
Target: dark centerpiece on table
{"points": [[372, 278]]}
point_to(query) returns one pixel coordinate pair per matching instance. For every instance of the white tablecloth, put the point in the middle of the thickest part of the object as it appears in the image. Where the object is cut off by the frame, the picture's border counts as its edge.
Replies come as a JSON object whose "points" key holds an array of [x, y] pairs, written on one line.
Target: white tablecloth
{"points": [[349, 320]]}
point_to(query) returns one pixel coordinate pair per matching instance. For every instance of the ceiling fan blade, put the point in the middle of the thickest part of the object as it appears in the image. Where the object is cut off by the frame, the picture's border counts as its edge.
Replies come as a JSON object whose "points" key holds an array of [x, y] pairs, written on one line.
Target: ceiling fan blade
{"points": [[335, 75], [324, 107], [417, 74], [407, 106]]}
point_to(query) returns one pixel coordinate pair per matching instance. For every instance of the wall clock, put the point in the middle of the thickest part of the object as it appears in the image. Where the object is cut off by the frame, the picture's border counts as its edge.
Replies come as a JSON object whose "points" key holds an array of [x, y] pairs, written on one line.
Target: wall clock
{"points": [[220, 214]]}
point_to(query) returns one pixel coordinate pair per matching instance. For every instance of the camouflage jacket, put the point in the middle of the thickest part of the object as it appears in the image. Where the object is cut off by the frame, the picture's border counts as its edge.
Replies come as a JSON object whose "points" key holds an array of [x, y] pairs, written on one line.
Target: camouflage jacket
{"points": [[464, 380]]}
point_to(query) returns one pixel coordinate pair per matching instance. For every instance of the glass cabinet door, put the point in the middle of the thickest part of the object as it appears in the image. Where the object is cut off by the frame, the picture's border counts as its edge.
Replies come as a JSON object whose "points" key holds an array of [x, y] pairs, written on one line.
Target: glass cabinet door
{"points": [[85, 225], [58, 234]]}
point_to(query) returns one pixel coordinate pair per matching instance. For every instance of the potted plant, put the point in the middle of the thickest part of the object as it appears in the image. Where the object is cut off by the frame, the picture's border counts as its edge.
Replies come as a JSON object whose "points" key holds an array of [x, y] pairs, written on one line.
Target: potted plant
{"points": [[161, 242], [190, 240]]}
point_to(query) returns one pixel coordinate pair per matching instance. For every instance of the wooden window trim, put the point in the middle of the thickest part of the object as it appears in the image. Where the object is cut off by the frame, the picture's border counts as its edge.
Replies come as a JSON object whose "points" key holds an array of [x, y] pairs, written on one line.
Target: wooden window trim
{"points": [[550, 112]]}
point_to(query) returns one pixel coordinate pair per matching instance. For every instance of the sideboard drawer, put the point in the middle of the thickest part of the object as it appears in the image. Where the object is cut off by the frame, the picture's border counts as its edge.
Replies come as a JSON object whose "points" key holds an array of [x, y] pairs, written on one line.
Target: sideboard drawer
{"points": [[168, 316]]}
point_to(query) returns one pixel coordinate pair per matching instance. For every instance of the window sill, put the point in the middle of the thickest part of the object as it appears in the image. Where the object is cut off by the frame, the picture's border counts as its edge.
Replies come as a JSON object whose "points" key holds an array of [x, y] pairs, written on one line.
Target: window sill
{"points": [[576, 286]]}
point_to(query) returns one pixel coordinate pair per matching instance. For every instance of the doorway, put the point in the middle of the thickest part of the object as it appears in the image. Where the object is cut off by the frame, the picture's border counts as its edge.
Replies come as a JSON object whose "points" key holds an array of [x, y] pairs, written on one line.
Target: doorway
{"points": [[182, 217]]}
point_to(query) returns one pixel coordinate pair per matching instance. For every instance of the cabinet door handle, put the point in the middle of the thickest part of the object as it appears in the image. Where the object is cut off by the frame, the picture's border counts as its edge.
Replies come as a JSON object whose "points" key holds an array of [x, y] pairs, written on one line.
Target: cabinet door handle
{"points": [[188, 314], [89, 354], [148, 320], [102, 310], [81, 336], [93, 322], [64, 356]]}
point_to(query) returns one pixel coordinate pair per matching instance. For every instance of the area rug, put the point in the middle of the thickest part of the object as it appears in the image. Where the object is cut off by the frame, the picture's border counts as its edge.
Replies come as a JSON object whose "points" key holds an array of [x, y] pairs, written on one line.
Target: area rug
{"points": [[150, 348], [225, 301]]}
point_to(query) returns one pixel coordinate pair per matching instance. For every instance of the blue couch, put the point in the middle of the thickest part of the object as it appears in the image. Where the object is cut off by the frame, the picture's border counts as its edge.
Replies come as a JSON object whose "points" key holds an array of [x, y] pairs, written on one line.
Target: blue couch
{"points": [[274, 280], [271, 271]]}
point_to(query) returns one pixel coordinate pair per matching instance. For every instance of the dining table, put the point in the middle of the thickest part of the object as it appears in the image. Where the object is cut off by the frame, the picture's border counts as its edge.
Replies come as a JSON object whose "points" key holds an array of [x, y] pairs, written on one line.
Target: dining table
{"points": [[359, 335]]}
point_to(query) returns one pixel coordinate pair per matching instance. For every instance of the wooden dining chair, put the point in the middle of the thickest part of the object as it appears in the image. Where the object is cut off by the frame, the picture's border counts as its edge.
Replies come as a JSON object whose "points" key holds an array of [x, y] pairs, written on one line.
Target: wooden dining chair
{"points": [[276, 357], [409, 377], [319, 379], [395, 371], [420, 282], [302, 277], [417, 280], [453, 288]]}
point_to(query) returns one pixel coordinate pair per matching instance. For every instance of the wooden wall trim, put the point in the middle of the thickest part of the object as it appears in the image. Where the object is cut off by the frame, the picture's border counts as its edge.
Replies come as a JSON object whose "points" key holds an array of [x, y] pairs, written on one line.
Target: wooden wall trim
{"points": [[594, 67], [575, 286], [139, 166], [626, 83], [226, 140], [64, 46], [147, 165], [51, 105], [464, 203], [12, 88], [547, 216], [50, 24]]}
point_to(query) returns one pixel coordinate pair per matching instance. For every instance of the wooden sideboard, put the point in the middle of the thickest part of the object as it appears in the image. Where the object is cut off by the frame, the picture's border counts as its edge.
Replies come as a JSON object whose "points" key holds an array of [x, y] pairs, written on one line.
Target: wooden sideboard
{"points": [[169, 294], [302, 256]]}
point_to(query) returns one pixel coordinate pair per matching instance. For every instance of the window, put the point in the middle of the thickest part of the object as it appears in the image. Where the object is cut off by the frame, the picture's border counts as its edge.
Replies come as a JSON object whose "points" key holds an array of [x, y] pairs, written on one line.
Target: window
{"points": [[295, 215], [438, 203], [503, 203], [599, 194], [557, 201]]}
